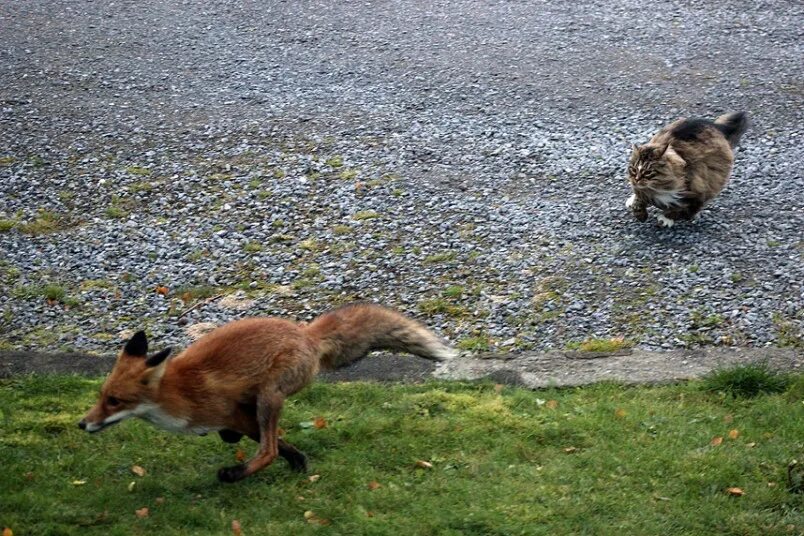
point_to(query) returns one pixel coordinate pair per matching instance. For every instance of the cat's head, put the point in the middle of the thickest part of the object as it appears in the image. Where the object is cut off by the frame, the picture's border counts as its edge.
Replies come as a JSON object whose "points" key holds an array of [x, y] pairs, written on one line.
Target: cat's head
{"points": [[655, 167]]}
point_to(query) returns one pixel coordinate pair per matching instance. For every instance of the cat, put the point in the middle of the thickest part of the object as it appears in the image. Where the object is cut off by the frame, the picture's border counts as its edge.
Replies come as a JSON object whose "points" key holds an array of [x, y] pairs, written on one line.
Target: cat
{"points": [[684, 166]]}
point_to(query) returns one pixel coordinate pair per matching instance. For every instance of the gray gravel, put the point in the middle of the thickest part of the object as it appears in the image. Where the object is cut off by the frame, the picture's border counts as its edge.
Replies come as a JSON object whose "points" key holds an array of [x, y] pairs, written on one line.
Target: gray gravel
{"points": [[237, 147]]}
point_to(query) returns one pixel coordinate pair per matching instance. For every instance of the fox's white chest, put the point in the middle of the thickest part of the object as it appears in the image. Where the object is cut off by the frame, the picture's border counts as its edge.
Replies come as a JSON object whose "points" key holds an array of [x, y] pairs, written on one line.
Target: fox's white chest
{"points": [[179, 425]]}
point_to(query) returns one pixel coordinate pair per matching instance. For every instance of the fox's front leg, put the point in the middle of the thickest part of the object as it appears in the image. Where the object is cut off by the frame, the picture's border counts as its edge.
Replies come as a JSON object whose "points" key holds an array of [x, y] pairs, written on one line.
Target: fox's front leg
{"points": [[638, 206], [269, 406]]}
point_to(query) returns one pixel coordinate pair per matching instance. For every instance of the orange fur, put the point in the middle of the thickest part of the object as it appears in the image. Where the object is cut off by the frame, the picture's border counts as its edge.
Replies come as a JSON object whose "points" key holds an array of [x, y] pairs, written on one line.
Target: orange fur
{"points": [[235, 379]]}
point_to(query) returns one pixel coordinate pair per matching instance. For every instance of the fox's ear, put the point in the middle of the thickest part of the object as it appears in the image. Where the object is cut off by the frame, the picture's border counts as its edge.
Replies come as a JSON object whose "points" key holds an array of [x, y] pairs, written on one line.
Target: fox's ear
{"points": [[137, 345], [634, 148], [157, 358]]}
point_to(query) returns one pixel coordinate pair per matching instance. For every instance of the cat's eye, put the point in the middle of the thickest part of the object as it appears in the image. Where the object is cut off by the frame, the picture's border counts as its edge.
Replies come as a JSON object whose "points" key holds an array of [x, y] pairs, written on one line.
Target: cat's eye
{"points": [[112, 401]]}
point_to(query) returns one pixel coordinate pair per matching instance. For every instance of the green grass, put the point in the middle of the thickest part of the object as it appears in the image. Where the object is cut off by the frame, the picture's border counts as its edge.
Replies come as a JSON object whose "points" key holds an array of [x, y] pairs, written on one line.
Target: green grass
{"points": [[441, 257], [252, 247], [601, 345], [441, 306], [45, 222], [365, 215], [479, 343], [115, 212], [746, 381], [7, 225], [596, 460]]}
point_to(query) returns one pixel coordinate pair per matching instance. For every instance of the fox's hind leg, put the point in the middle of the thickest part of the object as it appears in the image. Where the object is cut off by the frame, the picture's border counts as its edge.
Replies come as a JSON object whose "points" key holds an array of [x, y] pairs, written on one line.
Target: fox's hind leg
{"points": [[269, 406], [295, 457]]}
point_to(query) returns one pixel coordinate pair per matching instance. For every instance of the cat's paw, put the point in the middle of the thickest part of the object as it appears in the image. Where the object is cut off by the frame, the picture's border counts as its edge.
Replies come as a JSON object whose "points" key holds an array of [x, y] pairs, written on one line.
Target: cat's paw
{"points": [[630, 201], [664, 221]]}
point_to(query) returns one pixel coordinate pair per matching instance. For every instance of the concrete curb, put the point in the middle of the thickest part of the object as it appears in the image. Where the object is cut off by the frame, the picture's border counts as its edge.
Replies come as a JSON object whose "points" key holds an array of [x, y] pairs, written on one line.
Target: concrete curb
{"points": [[530, 369]]}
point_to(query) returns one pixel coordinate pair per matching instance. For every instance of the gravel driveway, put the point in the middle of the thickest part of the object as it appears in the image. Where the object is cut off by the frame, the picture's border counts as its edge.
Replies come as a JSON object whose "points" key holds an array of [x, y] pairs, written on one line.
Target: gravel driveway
{"points": [[460, 160]]}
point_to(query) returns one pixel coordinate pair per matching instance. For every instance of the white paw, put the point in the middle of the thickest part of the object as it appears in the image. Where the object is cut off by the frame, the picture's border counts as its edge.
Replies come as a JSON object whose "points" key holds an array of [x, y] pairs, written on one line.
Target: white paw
{"points": [[630, 201], [664, 221]]}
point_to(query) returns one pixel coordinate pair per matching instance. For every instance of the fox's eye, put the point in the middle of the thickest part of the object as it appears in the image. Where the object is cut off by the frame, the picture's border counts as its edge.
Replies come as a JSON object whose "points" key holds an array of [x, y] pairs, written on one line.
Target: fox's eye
{"points": [[112, 401]]}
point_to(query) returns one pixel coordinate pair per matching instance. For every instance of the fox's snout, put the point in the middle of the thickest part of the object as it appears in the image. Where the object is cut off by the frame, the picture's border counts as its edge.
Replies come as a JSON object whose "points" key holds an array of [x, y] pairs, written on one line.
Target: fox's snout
{"points": [[82, 424]]}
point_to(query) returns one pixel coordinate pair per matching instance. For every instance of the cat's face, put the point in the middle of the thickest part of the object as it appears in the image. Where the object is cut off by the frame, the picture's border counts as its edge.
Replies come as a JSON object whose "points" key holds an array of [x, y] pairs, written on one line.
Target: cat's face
{"points": [[651, 167]]}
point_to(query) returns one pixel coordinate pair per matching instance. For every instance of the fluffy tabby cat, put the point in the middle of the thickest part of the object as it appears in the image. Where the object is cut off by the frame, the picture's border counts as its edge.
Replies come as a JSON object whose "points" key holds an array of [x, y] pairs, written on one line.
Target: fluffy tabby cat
{"points": [[683, 166]]}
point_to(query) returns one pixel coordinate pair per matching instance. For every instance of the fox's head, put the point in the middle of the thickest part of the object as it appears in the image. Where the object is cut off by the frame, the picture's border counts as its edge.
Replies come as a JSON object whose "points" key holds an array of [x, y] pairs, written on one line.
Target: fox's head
{"points": [[130, 386]]}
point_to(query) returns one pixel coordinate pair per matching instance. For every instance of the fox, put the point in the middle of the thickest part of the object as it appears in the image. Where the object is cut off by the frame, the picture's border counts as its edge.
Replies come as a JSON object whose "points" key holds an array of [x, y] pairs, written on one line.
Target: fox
{"points": [[234, 380]]}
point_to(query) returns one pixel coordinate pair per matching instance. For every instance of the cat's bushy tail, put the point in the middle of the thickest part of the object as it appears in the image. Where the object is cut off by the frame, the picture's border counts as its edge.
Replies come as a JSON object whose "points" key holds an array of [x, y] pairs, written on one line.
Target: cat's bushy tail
{"points": [[733, 126]]}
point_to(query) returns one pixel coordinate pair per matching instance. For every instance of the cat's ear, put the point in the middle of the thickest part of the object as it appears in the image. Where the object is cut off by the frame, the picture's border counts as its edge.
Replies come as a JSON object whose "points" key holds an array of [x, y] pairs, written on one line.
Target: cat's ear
{"points": [[660, 150]]}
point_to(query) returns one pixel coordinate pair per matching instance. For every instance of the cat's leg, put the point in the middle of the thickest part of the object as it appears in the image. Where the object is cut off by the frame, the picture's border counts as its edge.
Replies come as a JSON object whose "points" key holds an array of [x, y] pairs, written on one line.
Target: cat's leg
{"points": [[638, 207], [665, 220]]}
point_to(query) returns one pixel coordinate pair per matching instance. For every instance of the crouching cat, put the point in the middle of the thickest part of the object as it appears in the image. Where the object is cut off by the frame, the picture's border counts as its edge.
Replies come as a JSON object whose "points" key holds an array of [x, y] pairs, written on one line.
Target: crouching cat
{"points": [[684, 166]]}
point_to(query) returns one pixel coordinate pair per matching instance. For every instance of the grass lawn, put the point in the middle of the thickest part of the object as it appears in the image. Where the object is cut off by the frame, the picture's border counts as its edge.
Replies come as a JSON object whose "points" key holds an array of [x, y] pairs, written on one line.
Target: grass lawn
{"points": [[597, 460]]}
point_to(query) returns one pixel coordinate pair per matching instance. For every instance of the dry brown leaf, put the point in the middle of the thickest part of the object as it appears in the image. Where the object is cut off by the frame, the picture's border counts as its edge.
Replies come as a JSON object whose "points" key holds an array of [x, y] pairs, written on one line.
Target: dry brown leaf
{"points": [[137, 470], [619, 412], [369, 514], [142, 512], [236, 530], [423, 464], [320, 423], [29, 475], [728, 419], [552, 404], [8, 532], [186, 298], [280, 432], [570, 450], [717, 440], [162, 290], [374, 485], [735, 492], [159, 500], [313, 478], [240, 455], [734, 434], [498, 387]]}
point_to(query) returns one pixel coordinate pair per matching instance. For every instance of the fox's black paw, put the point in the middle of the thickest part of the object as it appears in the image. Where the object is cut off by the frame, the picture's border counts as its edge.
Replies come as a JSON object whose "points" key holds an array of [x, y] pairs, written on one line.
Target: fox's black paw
{"points": [[230, 436], [298, 462], [232, 474]]}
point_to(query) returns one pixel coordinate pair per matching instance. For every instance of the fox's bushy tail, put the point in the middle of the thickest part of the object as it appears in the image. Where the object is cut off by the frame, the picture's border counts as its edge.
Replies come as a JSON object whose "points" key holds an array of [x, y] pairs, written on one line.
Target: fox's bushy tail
{"points": [[349, 333], [733, 126]]}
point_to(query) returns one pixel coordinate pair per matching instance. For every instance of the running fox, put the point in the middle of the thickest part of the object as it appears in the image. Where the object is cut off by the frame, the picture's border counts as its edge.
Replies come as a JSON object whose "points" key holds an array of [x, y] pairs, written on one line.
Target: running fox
{"points": [[235, 379]]}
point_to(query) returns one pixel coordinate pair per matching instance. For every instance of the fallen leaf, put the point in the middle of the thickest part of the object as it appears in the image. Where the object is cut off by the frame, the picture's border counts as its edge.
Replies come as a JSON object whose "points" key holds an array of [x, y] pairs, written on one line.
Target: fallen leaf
{"points": [[313, 478], [498, 387], [162, 290], [186, 298], [771, 484], [29, 475], [369, 514], [717, 440], [728, 419], [735, 492], [280, 432], [137, 470], [619, 412], [142, 512], [236, 530], [570, 450], [79, 482], [320, 423], [423, 464], [159, 500], [299, 498], [309, 514], [131, 486], [552, 404], [734, 434], [751, 445], [374, 485], [8, 532], [240, 455]]}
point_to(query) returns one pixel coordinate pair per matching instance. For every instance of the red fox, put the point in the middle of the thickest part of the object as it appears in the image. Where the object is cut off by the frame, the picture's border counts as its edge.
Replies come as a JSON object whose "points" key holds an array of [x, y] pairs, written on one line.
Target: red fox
{"points": [[235, 379]]}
